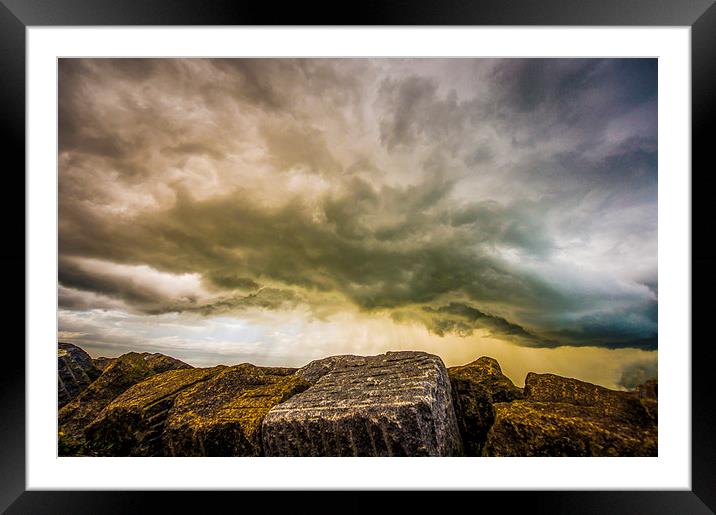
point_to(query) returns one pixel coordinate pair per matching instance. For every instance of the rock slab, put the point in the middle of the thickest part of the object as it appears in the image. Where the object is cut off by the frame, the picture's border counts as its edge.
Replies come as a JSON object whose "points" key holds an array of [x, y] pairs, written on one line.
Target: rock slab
{"points": [[394, 404]]}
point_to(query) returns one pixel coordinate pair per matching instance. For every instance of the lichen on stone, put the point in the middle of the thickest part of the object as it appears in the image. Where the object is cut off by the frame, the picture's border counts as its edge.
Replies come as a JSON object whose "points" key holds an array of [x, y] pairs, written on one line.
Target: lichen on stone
{"points": [[223, 416], [134, 421]]}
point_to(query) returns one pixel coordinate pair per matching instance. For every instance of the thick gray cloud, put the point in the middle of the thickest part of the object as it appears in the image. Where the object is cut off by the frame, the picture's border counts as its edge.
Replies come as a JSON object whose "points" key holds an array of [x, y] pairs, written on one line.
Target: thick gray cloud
{"points": [[512, 196]]}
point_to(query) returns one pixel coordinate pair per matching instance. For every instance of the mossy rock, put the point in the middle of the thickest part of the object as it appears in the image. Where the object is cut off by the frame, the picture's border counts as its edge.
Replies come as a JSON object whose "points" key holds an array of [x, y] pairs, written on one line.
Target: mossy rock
{"points": [[626, 407], [475, 388], [223, 416], [127, 370], [525, 428], [318, 368], [102, 363], [132, 424]]}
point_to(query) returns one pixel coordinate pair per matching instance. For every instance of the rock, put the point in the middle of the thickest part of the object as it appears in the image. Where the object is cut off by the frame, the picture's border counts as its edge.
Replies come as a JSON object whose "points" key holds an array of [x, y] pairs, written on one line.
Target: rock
{"points": [[75, 371], [320, 367], [648, 390], [565, 417], [160, 363], [223, 416], [394, 404], [127, 370], [132, 424], [625, 406], [278, 371], [475, 388], [102, 362], [553, 388], [524, 428]]}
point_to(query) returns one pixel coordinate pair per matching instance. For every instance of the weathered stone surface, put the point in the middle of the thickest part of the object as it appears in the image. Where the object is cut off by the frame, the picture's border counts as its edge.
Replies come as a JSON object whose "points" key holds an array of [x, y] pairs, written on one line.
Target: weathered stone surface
{"points": [[278, 371], [475, 388], [127, 370], [320, 367], [625, 406], [565, 417], [553, 388], [132, 424], [394, 404], [75, 371], [102, 362], [222, 416], [524, 428]]}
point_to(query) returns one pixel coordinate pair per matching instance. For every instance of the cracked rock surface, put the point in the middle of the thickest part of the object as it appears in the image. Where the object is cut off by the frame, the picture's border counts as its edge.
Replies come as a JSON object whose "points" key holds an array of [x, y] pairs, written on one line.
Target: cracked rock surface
{"points": [[394, 404]]}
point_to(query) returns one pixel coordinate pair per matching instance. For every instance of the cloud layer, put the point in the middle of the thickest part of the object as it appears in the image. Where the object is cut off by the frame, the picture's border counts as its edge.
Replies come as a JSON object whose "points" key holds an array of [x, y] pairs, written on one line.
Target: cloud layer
{"points": [[514, 198]]}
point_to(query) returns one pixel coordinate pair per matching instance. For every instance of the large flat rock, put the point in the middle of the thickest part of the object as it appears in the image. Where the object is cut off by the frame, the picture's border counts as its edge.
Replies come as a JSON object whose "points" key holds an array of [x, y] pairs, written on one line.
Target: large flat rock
{"points": [[223, 416], [75, 372], [394, 404]]}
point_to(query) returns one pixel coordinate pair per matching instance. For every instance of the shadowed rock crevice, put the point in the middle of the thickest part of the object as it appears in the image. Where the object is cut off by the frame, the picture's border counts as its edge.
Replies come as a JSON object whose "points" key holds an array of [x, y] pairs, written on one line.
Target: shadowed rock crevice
{"points": [[475, 388]]}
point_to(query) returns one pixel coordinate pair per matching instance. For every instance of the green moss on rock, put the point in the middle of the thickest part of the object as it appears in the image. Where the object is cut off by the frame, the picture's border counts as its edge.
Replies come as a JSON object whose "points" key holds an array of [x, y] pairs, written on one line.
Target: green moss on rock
{"points": [[102, 363], [223, 416], [524, 428], [475, 388], [127, 370], [561, 416], [133, 422]]}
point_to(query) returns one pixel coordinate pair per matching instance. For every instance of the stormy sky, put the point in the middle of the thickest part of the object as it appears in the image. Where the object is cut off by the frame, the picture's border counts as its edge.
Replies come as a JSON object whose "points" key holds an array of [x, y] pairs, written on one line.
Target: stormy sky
{"points": [[281, 210]]}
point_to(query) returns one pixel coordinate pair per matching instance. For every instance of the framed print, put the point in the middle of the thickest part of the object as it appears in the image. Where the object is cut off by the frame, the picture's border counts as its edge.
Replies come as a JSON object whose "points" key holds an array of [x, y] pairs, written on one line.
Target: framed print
{"points": [[394, 251]]}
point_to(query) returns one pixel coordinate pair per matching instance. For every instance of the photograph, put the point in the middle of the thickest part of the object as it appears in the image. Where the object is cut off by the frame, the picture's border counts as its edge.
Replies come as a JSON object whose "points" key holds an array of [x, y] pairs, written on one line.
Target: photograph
{"points": [[357, 257]]}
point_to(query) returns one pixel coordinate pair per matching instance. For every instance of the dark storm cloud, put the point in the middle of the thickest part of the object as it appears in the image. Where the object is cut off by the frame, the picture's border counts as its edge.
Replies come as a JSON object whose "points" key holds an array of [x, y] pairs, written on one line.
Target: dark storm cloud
{"points": [[374, 266], [462, 319], [374, 263], [282, 182]]}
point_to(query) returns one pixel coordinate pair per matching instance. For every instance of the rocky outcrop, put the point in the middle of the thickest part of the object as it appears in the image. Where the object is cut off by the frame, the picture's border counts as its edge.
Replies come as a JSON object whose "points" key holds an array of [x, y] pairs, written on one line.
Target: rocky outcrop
{"points": [[132, 424], [223, 416], [320, 367], [394, 404], [648, 390], [127, 370], [565, 417], [102, 362], [475, 388], [75, 372]]}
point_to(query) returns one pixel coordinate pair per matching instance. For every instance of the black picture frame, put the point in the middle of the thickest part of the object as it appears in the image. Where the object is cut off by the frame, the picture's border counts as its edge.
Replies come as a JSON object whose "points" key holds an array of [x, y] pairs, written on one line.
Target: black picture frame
{"points": [[17, 15]]}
